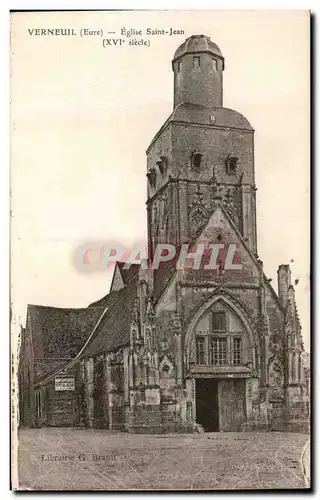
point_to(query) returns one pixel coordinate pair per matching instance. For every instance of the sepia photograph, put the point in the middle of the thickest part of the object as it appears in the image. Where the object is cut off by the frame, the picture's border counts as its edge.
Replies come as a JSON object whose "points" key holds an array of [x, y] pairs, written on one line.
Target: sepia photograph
{"points": [[160, 250]]}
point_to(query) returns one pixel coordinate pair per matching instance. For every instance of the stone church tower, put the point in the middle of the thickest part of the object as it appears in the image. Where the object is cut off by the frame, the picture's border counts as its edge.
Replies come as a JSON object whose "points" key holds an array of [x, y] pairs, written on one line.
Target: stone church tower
{"points": [[219, 349], [179, 346], [222, 333], [203, 152]]}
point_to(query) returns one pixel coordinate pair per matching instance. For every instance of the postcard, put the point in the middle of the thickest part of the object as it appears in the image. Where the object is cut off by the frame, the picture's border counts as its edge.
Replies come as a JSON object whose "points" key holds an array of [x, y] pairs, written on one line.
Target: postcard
{"points": [[160, 250]]}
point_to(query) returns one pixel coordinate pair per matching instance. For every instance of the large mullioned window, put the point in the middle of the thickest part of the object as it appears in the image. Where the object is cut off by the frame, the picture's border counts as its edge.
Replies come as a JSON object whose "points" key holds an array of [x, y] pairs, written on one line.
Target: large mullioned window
{"points": [[220, 347]]}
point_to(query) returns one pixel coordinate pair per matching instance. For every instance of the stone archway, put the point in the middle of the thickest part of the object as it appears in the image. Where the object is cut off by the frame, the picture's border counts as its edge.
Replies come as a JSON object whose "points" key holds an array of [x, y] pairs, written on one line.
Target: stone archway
{"points": [[220, 359]]}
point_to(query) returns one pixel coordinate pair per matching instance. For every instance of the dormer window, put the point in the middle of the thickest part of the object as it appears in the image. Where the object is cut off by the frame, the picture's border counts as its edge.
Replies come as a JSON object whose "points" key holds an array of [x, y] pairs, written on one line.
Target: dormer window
{"points": [[231, 164], [196, 159], [196, 61], [215, 64]]}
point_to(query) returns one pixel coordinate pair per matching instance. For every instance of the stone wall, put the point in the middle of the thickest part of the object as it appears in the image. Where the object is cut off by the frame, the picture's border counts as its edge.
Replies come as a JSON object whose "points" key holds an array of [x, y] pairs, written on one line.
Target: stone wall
{"points": [[145, 419], [60, 408], [215, 144], [288, 419]]}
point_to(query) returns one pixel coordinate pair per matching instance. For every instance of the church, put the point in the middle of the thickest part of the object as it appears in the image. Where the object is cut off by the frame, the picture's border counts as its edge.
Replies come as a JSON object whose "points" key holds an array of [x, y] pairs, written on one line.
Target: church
{"points": [[179, 349]]}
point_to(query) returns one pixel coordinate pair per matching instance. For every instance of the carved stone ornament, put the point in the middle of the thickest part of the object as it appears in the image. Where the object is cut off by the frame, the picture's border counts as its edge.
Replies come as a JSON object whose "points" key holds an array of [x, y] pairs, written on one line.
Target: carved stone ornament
{"points": [[150, 310], [228, 202], [216, 189], [155, 224], [276, 394], [177, 325], [275, 347], [165, 212], [135, 312], [198, 214]]}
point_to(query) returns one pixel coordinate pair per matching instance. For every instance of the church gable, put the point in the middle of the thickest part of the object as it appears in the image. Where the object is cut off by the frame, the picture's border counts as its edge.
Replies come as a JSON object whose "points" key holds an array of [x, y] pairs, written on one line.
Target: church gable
{"points": [[117, 280], [234, 261], [123, 276]]}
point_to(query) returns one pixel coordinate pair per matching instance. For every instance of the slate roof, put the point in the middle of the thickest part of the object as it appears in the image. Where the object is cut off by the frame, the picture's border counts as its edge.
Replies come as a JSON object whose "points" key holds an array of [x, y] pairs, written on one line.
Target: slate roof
{"points": [[114, 329], [187, 112], [196, 113], [59, 333]]}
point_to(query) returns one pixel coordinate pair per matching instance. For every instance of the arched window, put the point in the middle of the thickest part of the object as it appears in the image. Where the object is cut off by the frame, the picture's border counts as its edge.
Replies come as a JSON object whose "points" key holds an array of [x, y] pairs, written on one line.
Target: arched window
{"points": [[196, 159], [231, 164], [221, 338]]}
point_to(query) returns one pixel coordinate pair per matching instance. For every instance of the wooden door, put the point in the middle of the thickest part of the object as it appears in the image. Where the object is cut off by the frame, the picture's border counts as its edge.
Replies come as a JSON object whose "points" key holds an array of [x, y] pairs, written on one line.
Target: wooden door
{"points": [[232, 400], [207, 404]]}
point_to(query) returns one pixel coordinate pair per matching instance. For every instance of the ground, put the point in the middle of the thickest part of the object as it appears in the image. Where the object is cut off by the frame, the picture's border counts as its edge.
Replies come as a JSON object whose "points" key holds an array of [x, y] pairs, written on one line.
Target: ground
{"points": [[67, 459]]}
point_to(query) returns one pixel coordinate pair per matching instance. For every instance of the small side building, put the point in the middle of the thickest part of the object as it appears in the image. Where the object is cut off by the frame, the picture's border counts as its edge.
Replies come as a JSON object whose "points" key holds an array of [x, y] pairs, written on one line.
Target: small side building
{"points": [[51, 339]]}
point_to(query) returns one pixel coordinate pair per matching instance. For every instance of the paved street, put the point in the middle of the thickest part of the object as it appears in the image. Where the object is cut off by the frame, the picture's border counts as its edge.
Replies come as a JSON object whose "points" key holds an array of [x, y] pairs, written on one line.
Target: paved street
{"points": [[77, 459]]}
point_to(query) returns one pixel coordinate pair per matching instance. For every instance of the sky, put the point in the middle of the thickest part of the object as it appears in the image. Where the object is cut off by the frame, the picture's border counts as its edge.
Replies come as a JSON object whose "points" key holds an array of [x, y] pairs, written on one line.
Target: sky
{"points": [[83, 115]]}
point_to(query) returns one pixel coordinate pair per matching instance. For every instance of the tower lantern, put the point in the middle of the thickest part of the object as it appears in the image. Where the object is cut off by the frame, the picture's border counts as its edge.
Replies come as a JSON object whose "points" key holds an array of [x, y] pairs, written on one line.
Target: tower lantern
{"points": [[198, 65]]}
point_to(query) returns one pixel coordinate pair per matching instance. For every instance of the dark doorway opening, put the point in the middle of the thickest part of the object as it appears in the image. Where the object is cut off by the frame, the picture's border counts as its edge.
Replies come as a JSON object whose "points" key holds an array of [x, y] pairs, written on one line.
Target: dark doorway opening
{"points": [[207, 404]]}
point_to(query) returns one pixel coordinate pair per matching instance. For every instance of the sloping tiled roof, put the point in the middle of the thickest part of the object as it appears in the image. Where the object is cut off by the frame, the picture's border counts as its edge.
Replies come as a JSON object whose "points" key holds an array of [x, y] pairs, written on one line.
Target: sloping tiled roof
{"points": [[45, 367], [114, 330], [106, 301], [60, 333]]}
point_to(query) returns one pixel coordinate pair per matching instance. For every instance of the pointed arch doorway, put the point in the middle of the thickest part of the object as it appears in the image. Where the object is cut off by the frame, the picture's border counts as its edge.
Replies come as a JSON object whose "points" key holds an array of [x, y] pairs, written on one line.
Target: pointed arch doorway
{"points": [[220, 359]]}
